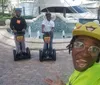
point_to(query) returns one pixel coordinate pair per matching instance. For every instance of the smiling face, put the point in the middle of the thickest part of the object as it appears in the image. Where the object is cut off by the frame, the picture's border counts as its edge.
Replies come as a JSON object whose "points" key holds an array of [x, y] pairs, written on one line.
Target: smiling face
{"points": [[48, 16], [85, 52]]}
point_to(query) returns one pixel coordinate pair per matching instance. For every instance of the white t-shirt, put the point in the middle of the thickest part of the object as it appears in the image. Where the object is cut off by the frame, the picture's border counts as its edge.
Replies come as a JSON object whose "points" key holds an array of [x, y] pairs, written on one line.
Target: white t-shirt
{"points": [[48, 25]]}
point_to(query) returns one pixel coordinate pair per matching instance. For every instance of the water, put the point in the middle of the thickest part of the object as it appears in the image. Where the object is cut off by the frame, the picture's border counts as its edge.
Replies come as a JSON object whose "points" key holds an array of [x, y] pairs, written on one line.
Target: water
{"points": [[61, 27], [57, 35], [29, 32]]}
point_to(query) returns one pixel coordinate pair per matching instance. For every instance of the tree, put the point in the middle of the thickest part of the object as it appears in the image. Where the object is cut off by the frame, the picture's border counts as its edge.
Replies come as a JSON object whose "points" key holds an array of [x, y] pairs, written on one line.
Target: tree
{"points": [[3, 4]]}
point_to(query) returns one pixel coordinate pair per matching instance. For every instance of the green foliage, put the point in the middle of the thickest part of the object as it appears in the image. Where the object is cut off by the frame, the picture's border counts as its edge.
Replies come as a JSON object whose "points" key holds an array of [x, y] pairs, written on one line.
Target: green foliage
{"points": [[3, 1], [3, 4], [5, 16]]}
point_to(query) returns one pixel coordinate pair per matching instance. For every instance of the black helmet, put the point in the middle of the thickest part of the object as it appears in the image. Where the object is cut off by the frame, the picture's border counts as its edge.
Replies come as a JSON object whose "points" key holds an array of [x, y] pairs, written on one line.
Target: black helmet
{"points": [[48, 13], [18, 9]]}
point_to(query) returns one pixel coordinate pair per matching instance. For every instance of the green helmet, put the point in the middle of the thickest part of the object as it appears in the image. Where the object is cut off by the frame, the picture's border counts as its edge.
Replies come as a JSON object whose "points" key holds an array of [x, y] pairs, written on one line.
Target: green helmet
{"points": [[91, 29]]}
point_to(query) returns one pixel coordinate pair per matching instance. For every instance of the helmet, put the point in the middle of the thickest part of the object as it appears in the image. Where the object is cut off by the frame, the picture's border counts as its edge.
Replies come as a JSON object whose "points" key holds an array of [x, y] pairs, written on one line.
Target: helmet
{"points": [[18, 9], [90, 29], [48, 13]]}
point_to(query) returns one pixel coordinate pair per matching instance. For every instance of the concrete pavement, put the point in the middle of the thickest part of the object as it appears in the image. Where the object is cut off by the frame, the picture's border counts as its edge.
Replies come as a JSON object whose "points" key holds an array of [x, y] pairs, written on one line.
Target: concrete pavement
{"points": [[32, 72]]}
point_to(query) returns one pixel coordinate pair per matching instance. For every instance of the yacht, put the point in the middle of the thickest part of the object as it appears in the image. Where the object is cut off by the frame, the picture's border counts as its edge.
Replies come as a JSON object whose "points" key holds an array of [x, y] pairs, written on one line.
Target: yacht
{"points": [[91, 5], [66, 13]]}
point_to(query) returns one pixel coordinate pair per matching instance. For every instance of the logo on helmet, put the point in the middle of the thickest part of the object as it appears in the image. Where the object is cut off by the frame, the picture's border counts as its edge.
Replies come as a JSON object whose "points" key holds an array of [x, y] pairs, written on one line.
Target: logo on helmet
{"points": [[90, 28]]}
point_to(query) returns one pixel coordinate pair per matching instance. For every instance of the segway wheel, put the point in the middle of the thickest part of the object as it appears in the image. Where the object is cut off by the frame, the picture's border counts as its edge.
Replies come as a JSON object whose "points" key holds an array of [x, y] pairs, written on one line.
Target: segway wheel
{"points": [[40, 55], [54, 55], [28, 52], [15, 55]]}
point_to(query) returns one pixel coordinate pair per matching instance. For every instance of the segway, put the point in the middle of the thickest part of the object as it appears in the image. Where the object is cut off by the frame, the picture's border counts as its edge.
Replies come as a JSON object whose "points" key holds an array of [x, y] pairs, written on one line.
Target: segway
{"points": [[21, 55], [47, 54]]}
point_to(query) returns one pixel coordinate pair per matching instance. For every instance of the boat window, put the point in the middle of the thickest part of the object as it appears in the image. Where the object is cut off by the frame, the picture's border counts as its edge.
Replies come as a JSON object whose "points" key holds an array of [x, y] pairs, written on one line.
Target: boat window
{"points": [[79, 9]]}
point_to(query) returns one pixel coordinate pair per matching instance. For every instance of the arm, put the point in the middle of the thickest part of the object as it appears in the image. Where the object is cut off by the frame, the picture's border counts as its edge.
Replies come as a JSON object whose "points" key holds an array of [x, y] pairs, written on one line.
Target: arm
{"points": [[25, 24], [52, 29], [43, 28], [53, 25], [11, 24]]}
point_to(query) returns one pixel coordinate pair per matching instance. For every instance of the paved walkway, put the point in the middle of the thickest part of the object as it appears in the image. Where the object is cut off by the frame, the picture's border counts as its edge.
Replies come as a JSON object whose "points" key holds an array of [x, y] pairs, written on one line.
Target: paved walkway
{"points": [[32, 72]]}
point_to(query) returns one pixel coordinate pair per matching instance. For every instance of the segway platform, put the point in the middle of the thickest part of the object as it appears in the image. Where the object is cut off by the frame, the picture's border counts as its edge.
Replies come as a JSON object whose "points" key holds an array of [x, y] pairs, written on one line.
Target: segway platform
{"points": [[21, 55], [47, 55]]}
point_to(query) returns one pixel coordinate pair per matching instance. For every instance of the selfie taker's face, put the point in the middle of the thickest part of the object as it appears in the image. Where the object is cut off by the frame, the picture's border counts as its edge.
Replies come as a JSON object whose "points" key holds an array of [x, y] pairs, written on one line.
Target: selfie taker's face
{"points": [[85, 52]]}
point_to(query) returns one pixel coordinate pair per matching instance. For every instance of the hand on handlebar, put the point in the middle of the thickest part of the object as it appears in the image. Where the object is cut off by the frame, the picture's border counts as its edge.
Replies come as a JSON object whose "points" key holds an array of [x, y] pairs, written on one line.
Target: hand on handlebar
{"points": [[23, 30], [14, 31]]}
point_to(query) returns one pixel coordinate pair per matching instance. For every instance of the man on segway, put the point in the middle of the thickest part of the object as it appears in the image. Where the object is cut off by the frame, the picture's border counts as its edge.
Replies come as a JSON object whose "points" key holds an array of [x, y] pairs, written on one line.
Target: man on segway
{"points": [[48, 26], [18, 26], [47, 30]]}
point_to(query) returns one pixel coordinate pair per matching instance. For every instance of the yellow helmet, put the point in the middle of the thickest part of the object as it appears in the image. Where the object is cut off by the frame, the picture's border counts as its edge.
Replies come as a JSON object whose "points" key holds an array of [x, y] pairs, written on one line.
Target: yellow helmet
{"points": [[91, 29]]}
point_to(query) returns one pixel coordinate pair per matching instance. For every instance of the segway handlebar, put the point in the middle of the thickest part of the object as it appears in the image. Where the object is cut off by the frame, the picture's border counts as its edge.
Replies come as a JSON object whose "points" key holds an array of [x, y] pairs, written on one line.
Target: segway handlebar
{"points": [[47, 33], [19, 32]]}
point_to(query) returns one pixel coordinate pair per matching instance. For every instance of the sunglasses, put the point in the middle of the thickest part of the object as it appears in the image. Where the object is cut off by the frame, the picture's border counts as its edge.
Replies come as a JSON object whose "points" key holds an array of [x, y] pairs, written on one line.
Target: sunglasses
{"points": [[93, 50]]}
